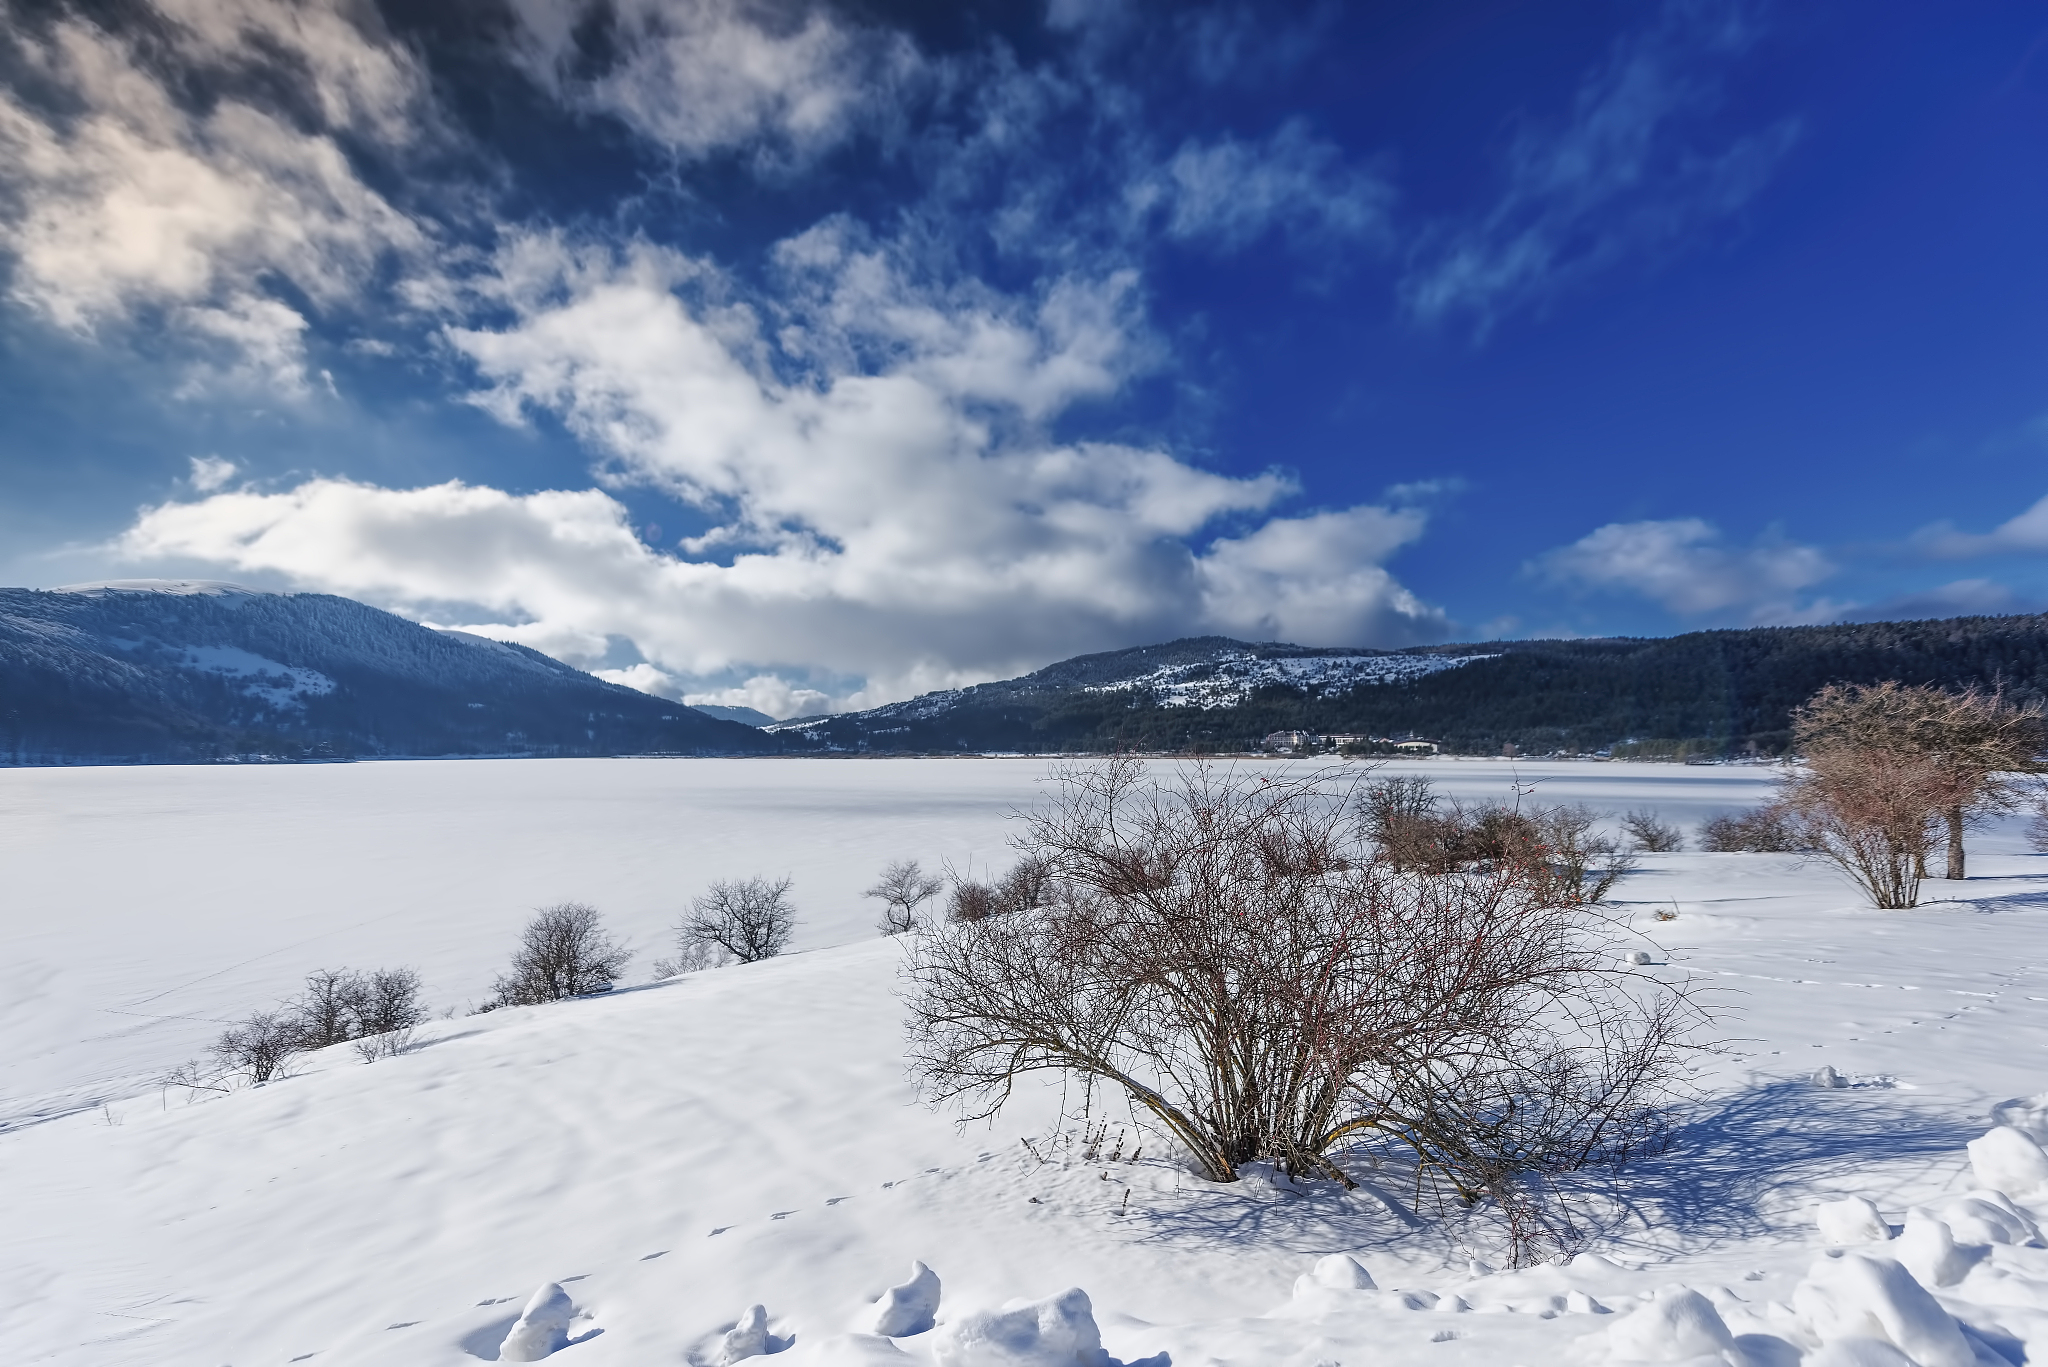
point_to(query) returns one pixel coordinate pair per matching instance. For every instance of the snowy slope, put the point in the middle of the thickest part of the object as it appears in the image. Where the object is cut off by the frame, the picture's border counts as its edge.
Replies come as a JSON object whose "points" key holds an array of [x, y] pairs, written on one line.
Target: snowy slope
{"points": [[677, 1152]]}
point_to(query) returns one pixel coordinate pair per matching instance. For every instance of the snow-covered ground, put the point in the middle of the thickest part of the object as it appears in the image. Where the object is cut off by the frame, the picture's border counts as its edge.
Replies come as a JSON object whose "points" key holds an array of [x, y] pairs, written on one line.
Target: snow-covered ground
{"points": [[676, 1153]]}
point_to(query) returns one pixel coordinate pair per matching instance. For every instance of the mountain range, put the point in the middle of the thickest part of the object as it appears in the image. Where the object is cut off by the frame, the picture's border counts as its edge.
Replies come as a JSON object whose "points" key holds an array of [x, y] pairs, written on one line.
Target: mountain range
{"points": [[181, 670], [168, 671], [1703, 694]]}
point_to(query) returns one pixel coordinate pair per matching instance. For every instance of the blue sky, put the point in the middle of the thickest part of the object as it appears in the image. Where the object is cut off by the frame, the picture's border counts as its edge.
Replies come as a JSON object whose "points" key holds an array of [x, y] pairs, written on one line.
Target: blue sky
{"points": [[809, 356]]}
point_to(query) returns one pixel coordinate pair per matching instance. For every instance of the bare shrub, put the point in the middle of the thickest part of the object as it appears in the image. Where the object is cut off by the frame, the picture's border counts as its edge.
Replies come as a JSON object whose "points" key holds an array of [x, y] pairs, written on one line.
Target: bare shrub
{"points": [[750, 918], [1769, 829], [1233, 956], [260, 1046], [563, 952], [1652, 834], [903, 888], [2037, 826], [1872, 814], [1025, 886], [385, 1043], [970, 901], [691, 956]]}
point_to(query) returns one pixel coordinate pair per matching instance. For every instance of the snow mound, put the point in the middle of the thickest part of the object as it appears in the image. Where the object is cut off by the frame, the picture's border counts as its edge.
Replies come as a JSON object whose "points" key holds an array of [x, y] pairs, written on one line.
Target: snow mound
{"points": [[543, 1326], [1338, 1272], [1852, 1220], [2028, 1115], [747, 1339], [1059, 1331], [1928, 1249], [1677, 1325], [2006, 1159], [1829, 1078], [908, 1309], [1860, 1296], [1989, 1217]]}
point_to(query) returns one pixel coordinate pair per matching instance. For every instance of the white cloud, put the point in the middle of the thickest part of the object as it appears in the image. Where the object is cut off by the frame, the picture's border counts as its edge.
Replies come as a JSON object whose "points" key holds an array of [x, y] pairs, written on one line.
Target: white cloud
{"points": [[1317, 580], [211, 472], [2024, 534], [133, 202], [767, 693], [705, 76], [886, 502], [1614, 181], [1683, 565]]}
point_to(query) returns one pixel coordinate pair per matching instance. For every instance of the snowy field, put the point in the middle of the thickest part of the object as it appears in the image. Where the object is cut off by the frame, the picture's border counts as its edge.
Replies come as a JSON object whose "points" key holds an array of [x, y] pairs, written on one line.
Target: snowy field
{"points": [[675, 1153]]}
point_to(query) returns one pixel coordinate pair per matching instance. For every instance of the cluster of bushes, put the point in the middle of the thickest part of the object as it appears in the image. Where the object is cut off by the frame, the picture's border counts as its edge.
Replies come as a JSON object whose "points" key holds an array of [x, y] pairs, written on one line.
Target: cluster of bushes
{"points": [[1557, 848], [377, 1012], [564, 951]]}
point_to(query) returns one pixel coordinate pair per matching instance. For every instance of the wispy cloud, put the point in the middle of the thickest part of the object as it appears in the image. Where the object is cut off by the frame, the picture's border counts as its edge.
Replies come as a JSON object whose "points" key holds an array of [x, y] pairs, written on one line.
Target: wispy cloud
{"points": [[1228, 192], [778, 83], [1628, 173], [1685, 566], [2023, 534]]}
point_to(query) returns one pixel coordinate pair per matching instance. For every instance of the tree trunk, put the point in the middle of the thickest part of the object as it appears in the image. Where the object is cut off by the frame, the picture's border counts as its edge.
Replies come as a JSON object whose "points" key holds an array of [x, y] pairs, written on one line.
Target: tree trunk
{"points": [[1955, 843]]}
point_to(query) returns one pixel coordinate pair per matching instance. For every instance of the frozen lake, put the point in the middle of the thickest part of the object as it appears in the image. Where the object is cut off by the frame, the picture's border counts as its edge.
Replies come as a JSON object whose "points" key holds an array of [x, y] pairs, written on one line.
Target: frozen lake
{"points": [[149, 906]]}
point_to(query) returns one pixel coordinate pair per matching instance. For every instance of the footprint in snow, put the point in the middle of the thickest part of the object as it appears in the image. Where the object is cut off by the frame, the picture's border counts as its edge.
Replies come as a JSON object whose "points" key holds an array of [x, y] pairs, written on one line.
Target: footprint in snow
{"points": [[652, 1256], [780, 1214], [716, 1232], [835, 1200]]}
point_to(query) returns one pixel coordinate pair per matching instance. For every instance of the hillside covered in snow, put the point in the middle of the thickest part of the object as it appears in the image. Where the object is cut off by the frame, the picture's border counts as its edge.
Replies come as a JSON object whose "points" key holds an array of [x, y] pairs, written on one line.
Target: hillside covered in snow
{"points": [[641, 1170], [167, 670]]}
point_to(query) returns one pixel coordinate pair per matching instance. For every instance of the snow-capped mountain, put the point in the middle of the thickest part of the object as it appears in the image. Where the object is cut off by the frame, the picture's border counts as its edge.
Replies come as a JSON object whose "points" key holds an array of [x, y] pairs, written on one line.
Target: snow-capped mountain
{"points": [[1201, 675], [157, 670], [1231, 678]]}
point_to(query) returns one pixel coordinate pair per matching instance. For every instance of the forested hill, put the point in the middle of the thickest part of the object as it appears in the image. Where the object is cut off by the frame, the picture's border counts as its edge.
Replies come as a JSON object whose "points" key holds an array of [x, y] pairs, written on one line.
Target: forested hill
{"points": [[1704, 693], [153, 671]]}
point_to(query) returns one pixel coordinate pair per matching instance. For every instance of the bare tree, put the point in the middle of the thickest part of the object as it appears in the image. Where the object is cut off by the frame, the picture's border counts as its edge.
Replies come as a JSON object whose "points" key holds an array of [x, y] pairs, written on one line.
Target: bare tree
{"points": [[903, 888], [1234, 957], [328, 1010], [1652, 834], [389, 1000], [563, 952], [750, 918], [1971, 745], [259, 1046]]}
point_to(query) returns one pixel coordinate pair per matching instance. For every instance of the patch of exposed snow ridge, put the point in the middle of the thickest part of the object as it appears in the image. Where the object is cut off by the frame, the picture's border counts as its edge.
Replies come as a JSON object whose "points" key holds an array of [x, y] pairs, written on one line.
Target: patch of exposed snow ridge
{"points": [[1230, 679], [280, 686]]}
